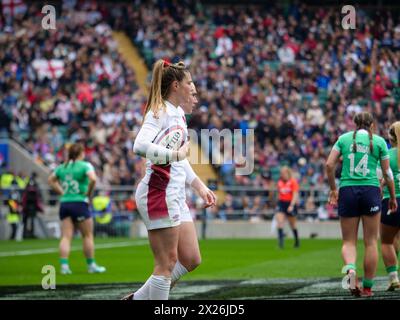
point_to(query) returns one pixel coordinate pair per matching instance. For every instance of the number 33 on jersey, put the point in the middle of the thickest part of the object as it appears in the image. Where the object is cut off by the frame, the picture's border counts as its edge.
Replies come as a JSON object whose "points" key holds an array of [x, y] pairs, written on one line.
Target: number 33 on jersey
{"points": [[74, 180]]}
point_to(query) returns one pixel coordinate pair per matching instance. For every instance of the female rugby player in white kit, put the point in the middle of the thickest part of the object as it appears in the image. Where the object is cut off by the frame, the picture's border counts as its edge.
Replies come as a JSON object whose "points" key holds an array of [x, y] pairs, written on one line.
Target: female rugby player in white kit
{"points": [[160, 196]]}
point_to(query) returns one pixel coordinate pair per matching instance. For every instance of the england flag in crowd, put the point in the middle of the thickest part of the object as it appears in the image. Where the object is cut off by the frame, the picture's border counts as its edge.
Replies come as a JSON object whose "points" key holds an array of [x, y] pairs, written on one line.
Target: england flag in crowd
{"points": [[11, 8], [52, 69]]}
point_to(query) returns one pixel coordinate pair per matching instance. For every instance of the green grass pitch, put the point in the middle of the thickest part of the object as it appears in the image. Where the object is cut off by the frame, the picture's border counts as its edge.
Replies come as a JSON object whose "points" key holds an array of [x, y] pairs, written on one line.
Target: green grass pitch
{"points": [[222, 259], [129, 262]]}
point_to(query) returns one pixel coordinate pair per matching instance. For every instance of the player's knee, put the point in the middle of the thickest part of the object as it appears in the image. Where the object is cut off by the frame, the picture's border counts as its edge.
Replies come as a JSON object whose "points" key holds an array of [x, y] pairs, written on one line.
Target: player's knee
{"points": [[349, 242], [66, 237], [87, 235], [87, 238], [386, 241], [386, 244], [371, 242]]}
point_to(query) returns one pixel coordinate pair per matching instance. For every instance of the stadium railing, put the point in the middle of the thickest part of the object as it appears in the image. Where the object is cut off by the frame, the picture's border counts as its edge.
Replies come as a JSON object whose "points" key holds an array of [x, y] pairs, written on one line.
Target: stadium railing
{"points": [[126, 221], [242, 200]]}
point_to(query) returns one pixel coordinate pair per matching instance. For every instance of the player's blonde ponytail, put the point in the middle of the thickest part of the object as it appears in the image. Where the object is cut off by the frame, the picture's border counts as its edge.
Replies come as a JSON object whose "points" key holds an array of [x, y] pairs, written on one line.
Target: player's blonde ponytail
{"points": [[155, 102], [164, 74], [394, 136]]}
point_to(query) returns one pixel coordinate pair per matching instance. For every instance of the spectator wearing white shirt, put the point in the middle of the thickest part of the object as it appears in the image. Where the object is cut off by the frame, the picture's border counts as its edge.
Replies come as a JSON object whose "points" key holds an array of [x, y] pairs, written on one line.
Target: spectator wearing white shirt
{"points": [[286, 54]]}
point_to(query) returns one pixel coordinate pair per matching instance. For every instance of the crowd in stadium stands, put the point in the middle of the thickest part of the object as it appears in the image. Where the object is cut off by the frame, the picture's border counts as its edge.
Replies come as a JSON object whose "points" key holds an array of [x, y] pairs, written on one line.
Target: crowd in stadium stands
{"points": [[96, 100], [291, 73]]}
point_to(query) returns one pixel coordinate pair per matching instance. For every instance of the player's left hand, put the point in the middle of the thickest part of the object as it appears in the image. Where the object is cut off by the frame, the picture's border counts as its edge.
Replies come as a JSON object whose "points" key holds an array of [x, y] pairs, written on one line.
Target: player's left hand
{"points": [[209, 198], [393, 205], [89, 196]]}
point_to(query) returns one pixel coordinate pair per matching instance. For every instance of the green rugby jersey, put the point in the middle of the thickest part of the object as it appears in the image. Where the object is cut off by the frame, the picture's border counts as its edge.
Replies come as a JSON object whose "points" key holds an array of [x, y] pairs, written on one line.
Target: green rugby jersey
{"points": [[396, 174], [359, 168], [74, 180]]}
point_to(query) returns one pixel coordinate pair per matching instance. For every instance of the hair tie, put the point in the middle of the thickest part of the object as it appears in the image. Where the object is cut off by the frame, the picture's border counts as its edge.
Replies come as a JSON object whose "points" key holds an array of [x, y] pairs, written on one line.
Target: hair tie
{"points": [[166, 64]]}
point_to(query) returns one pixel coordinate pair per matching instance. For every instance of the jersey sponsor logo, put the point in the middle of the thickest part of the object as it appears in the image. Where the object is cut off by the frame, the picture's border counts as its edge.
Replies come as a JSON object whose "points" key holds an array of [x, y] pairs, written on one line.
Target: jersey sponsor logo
{"points": [[286, 190], [360, 148]]}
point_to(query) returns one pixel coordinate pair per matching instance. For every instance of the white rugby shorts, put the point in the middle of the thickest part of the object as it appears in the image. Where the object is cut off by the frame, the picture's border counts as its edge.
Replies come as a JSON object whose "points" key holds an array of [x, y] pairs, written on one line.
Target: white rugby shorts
{"points": [[161, 208]]}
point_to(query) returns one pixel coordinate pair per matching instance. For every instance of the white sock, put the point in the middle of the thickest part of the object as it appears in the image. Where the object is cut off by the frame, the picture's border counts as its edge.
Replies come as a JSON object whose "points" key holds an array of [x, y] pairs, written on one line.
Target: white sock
{"points": [[393, 276], [143, 293], [159, 287], [178, 272]]}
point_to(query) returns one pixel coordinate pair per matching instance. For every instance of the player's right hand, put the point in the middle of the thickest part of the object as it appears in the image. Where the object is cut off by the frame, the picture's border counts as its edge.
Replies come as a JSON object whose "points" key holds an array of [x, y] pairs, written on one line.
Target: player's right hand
{"points": [[183, 151], [333, 197]]}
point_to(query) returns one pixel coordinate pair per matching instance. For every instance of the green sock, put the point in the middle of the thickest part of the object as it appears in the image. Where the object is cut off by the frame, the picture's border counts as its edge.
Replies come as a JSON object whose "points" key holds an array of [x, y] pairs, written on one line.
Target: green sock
{"points": [[368, 283], [391, 269], [64, 261], [89, 261], [348, 267]]}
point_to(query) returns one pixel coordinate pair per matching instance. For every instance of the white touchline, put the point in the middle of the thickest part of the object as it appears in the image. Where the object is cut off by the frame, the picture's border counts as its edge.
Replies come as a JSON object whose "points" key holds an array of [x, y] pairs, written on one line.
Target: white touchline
{"points": [[74, 248]]}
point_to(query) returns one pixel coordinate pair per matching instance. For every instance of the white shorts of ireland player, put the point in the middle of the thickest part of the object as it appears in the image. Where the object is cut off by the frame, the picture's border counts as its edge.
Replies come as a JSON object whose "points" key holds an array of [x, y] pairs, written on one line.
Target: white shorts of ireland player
{"points": [[159, 208]]}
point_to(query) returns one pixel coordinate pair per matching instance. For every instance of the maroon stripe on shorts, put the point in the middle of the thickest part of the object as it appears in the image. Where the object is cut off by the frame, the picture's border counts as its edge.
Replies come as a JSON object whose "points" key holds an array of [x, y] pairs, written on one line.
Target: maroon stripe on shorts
{"points": [[156, 197]]}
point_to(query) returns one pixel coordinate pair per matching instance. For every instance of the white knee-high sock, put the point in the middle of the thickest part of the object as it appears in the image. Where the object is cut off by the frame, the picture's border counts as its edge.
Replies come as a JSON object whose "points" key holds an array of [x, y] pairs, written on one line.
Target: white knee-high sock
{"points": [[143, 293], [159, 287], [178, 272], [393, 276]]}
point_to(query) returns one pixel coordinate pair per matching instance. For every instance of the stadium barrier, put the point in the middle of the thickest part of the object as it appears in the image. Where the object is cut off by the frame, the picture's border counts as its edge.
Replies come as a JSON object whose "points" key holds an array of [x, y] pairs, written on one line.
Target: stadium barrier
{"points": [[240, 194], [238, 221], [215, 229]]}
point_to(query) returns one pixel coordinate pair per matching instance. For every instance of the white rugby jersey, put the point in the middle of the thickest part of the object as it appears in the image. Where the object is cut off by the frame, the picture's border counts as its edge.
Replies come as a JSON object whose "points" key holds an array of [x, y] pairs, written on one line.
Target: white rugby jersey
{"points": [[174, 174]]}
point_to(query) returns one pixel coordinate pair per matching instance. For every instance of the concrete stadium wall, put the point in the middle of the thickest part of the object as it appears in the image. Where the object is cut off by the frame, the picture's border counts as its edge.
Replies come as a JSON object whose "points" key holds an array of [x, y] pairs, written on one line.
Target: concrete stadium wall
{"points": [[262, 229], [4, 229], [214, 230], [21, 160], [46, 226]]}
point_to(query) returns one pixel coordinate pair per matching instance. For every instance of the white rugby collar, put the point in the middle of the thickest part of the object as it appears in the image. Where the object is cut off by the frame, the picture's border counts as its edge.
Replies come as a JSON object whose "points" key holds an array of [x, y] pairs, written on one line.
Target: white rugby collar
{"points": [[172, 110]]}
